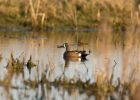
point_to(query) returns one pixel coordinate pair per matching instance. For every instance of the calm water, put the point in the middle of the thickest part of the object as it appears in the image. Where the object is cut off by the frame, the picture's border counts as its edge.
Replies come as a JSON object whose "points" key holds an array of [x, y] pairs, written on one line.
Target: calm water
{"points": [[42, 46]]}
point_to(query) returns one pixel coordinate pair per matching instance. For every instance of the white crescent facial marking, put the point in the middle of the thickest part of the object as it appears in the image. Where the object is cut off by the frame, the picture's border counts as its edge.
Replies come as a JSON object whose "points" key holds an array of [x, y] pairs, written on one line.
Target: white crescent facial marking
{"points": [[64, 45]]}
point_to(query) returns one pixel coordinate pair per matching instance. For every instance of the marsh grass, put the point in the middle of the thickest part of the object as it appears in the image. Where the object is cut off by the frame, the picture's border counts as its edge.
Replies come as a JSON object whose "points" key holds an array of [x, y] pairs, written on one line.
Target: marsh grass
{"points": [[102, 87], [120, 15]]}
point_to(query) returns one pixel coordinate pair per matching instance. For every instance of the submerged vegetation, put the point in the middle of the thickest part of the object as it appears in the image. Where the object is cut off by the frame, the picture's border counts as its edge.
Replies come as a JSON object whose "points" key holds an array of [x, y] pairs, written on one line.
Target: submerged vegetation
{"points": [[103, 87], [69, 13]]}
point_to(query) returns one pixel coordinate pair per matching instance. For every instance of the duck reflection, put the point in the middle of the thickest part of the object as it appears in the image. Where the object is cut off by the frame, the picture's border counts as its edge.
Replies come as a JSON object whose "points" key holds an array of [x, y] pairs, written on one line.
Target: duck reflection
{"points": [[73, 59]]}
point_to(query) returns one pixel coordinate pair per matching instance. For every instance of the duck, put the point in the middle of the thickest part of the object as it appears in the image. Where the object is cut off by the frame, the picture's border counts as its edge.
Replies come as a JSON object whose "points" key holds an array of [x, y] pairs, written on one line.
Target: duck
{"points": [[72, 53]]}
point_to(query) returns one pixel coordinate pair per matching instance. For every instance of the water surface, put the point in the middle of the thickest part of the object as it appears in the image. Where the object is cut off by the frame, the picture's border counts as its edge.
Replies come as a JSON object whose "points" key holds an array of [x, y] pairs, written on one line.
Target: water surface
{"points": [[106, 58]]}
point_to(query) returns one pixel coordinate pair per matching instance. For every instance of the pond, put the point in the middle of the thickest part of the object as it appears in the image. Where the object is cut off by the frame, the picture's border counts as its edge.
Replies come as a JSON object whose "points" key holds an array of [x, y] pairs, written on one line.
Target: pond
{"points": [[111, 55]]}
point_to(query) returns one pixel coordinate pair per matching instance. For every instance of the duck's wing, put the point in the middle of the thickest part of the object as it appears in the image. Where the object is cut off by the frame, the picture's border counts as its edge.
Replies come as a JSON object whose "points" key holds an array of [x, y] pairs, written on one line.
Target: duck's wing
{"points": [[81, 53]]}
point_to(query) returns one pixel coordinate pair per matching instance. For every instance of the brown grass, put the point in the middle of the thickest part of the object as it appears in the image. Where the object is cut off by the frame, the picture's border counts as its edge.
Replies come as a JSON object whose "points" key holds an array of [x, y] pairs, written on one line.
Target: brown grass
{"points": [[45, 13]]}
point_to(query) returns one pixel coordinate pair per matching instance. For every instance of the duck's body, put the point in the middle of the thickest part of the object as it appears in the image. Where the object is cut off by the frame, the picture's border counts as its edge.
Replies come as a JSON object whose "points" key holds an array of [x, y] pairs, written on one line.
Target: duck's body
{"points": [[74, 53]]}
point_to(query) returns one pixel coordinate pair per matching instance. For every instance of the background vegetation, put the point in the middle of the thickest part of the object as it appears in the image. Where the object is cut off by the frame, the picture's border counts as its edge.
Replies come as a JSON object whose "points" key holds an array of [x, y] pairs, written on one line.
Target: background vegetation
{"points": [[69, 13]]}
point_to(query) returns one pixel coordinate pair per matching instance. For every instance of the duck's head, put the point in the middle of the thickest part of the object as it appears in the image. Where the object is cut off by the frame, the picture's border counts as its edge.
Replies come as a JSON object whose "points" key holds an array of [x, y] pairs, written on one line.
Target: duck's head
{"points": [[66, 45]]}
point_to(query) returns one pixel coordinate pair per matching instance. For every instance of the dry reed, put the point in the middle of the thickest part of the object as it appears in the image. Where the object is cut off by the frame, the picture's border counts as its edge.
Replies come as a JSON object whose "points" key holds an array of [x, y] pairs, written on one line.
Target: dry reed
{"points": [[45, 13]]}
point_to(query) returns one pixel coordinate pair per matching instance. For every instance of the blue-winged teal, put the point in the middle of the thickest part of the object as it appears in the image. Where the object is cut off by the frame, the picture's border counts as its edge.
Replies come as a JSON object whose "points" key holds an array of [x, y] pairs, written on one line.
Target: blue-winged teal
{"points": [[75, 53]]}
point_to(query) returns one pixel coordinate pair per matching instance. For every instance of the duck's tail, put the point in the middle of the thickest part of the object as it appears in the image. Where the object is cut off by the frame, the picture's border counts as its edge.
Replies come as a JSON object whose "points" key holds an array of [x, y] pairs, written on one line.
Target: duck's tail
{"points": [[84, 55]]}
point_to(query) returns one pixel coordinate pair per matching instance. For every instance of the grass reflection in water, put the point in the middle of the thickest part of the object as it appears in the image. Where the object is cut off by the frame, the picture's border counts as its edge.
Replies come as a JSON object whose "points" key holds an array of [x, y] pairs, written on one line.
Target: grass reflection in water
{"points": [[102, 87], [48, 85]]}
